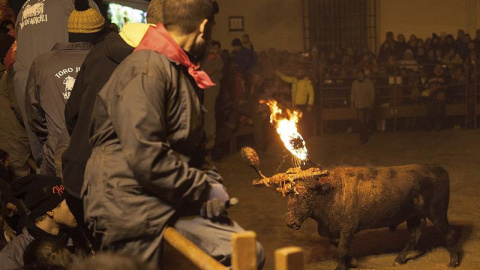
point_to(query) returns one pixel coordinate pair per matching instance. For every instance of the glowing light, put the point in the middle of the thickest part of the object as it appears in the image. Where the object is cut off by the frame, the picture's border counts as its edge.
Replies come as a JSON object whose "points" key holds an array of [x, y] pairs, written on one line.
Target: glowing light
{"points": [[286, 125]]}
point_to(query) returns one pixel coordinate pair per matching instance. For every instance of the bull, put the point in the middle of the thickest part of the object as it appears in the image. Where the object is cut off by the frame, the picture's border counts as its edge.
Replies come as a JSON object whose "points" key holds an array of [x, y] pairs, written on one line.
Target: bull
{"points": [[346, 200]]}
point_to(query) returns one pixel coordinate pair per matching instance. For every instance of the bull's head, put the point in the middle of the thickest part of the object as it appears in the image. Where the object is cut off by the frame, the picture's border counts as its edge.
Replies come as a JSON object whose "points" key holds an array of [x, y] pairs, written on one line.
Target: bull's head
{"points": [[301, 186]]}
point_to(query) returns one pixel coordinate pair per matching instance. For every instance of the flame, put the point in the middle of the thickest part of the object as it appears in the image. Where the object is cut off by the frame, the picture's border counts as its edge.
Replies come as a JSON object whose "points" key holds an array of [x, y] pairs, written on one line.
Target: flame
{"points": [[286, 125]]}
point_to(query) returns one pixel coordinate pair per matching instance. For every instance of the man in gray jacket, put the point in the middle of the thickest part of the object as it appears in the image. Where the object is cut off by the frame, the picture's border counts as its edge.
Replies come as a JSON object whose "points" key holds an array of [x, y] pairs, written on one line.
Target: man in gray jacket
{"points": [[49, 215], [147, 169], [362, 99], [40, 25], [51, 80]]}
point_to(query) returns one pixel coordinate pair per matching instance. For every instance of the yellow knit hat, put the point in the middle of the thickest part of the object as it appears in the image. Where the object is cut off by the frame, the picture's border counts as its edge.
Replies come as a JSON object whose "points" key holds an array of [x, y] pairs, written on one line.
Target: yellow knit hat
{"points": [[84, 19]]}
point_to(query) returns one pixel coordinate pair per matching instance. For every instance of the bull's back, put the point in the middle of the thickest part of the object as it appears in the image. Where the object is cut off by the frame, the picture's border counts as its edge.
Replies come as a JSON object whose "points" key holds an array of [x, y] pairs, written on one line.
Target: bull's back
{"points": [[385, 196]]}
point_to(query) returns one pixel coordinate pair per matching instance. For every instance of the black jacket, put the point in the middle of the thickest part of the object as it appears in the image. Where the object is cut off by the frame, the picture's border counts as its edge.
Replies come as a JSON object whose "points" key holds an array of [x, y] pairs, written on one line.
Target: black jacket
{"points": [[94, 74]]}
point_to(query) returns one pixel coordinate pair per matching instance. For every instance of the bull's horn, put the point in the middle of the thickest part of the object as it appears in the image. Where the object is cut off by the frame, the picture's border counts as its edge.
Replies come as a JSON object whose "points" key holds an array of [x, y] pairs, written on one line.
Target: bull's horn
{"points": [[250, 156]]}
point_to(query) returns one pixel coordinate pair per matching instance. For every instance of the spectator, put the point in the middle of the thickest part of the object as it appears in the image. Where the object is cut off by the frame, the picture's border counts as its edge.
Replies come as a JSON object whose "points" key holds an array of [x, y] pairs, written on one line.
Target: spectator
{"points": [[49, 215], [402, 46], [13, 138], [47, 253], [243, 58], [247, 43], [97, 68], [302, 97], [158, 155], [36, 36], [435, 95], [51, 80], [368, 64], [408, 62], [6, 12], [362, 99], [421, 57], [213, 65]]}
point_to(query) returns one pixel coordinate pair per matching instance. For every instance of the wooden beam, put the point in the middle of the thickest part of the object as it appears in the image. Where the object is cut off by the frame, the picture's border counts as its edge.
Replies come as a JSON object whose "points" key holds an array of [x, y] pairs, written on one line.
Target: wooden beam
{"points": [[289, 258], [244, 255], [180, 253]]}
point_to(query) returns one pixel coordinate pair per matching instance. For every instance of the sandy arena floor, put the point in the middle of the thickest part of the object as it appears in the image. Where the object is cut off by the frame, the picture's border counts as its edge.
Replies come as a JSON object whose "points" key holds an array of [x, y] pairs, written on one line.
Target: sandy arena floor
{"points": [[263, 210]]}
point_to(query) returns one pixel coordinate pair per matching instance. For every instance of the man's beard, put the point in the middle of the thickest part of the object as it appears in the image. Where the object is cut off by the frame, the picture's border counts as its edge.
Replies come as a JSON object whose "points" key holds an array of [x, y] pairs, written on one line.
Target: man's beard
{"points": [[199, 48]]}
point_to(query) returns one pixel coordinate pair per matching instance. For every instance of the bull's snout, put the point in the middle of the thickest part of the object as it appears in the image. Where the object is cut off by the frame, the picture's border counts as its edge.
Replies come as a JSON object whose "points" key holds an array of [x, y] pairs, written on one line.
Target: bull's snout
{"points": [[293, 223], [294, 226]]}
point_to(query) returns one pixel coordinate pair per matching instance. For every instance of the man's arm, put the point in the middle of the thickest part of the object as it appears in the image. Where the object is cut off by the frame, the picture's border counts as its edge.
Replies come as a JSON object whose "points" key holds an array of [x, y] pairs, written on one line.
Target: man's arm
{"points": [[35, 114], [72, 108], [138, 116], [284, 78]]}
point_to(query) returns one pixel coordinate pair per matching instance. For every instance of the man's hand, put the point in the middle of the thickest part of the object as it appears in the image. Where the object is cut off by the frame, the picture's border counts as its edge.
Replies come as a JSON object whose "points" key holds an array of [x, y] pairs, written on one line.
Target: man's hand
{"points": [[218, 191], [213, 210]]}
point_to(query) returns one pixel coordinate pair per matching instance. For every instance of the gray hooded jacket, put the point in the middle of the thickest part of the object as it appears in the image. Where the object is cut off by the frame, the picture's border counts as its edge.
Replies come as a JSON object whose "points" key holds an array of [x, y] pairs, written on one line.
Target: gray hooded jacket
{"points": [[49, 85]]}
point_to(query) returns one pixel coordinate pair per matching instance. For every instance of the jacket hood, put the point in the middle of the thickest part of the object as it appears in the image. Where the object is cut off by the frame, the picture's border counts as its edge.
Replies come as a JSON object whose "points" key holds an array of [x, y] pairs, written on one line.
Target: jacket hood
{"points": [[132, 33]]}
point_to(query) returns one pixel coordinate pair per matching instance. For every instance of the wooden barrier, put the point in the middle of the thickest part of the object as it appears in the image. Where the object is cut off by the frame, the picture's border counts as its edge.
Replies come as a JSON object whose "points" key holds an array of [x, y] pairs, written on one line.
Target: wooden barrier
{"points": [[181, 254], [334, 114], [289, 258]]}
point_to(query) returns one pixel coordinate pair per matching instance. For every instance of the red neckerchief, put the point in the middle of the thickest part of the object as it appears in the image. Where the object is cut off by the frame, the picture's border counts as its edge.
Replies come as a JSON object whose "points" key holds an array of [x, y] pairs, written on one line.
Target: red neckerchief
{"points": [[157, 39]]}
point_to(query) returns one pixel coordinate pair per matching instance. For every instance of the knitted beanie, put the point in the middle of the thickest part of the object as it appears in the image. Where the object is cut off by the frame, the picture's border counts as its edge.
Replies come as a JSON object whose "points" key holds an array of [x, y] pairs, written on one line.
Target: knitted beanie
{"points": [[39, 193], [85, 24]]}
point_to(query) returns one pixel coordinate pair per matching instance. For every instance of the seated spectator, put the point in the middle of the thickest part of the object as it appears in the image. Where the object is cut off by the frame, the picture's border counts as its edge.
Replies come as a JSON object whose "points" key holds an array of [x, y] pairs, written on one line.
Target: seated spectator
{"points": [[47, 253], [408, 62], [435, 98], [428, 44], [368, 64], [412, 43], [49, 216], [421, 56]]}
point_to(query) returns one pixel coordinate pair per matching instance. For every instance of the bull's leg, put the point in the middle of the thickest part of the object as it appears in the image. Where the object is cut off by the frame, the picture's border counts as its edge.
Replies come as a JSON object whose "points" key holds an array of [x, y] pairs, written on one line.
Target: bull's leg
{"points": [[415, 228], [342, 250], [441, 224]]}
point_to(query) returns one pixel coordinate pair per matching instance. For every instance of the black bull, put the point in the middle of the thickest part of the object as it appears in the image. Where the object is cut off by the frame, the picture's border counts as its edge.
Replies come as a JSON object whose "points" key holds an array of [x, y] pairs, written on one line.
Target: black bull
{"points": [[351, 199]]}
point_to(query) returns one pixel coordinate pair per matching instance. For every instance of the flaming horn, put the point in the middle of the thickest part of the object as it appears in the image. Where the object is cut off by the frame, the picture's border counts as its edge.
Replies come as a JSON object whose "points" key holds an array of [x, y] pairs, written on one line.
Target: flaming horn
{"points": [[285, 122], [282, 182]]}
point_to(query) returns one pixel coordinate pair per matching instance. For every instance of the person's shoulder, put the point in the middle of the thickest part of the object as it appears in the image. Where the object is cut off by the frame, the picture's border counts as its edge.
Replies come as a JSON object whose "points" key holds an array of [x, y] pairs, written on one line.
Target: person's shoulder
{"points": [[11, 255]]}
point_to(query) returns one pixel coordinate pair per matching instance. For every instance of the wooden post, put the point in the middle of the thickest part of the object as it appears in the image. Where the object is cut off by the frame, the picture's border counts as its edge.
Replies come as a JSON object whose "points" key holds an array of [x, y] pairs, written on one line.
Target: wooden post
{"points": [[289, 258], [244, 255]]}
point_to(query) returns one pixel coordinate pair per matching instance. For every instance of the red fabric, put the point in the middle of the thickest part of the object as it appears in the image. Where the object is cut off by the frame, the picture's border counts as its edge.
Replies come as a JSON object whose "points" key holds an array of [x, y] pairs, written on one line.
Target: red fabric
{"points": [[159, 40]]}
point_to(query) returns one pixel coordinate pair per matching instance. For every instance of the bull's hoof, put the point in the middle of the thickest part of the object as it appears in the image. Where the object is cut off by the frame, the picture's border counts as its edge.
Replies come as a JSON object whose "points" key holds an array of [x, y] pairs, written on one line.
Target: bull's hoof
{"points": [[453, 264], [398, 261]]}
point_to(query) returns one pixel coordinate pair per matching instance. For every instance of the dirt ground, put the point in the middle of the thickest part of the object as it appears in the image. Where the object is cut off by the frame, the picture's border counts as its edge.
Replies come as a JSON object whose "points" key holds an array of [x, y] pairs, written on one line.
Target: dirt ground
{"points": [[263, 210]]}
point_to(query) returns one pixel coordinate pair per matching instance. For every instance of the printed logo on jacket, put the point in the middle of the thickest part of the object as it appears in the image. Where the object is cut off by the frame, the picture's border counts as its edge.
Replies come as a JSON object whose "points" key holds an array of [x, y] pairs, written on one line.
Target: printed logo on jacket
{"points": [[33, 13], [68, 76]]}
